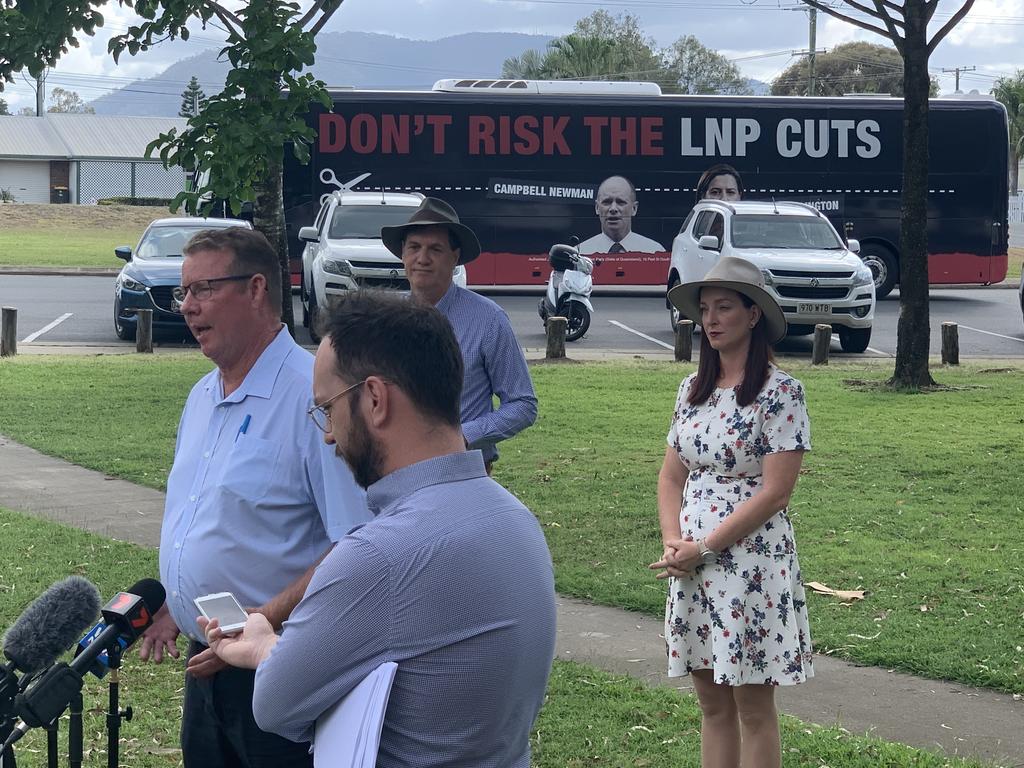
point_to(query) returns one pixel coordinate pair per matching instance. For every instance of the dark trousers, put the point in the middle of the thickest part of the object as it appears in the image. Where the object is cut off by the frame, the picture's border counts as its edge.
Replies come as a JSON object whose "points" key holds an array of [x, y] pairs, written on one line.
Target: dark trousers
{"points": [[219, 731]]}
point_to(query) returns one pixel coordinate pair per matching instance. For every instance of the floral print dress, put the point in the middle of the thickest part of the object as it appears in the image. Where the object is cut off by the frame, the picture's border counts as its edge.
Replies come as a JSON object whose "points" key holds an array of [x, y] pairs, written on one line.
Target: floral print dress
{"points": [[744, 617]]}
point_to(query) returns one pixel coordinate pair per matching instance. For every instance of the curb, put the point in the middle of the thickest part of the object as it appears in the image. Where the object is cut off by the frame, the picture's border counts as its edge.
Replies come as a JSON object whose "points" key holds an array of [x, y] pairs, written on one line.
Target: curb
{"points": [[607, 290], [62, 271]]}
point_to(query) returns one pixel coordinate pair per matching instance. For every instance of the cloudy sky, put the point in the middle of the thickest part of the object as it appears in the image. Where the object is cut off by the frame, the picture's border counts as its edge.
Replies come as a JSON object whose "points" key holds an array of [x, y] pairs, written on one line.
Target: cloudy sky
{"points": [[761, 36]]}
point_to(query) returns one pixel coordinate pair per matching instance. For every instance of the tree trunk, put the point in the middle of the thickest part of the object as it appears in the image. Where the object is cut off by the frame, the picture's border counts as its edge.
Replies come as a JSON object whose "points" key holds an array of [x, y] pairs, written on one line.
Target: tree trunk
{"points": [[268, 218], [912, 339]]}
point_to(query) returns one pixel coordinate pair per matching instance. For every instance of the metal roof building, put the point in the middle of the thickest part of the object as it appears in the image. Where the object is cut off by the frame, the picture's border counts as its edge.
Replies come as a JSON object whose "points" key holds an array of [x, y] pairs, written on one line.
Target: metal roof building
{"points": [[63, 157]]}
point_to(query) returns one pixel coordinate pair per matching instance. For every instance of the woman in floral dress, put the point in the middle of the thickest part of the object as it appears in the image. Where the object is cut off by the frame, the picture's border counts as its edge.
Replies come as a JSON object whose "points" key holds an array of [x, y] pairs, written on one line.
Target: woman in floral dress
{"points": [[736, 617]]}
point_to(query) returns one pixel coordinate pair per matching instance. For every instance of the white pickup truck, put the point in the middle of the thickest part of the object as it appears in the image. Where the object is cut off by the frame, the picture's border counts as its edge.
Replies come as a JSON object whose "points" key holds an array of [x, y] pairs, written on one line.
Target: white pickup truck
{"points": [[807, 268]]}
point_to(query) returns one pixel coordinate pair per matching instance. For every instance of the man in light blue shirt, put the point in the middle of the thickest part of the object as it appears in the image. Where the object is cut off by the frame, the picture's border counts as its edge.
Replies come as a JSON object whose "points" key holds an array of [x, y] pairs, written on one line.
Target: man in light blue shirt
{"points": [[452, 579], [254, 499], [430, 246]]}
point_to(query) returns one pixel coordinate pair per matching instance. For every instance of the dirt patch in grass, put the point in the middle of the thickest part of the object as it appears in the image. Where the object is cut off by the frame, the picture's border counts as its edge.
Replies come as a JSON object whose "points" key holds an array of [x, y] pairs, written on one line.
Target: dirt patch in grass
{"points": [[78, 217]]}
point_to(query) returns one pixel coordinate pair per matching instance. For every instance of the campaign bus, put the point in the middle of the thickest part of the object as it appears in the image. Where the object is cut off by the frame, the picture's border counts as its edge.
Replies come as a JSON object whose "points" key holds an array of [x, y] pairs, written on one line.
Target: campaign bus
{"points": [[521, 161]]}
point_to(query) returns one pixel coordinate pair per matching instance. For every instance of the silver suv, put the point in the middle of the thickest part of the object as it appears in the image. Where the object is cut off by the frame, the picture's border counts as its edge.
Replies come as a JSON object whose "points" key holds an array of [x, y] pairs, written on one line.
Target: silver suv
{"points": [[807, 268], [344, 251]]}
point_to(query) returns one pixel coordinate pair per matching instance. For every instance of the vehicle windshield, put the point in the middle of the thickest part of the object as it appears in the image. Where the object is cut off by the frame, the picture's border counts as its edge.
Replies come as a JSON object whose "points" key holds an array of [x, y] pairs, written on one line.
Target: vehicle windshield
{"points": [[166, 242], [363, 222], [780, 231]]}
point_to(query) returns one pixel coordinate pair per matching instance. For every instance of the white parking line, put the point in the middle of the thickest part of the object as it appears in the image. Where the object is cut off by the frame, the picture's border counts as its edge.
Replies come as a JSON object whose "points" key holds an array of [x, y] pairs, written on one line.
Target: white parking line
{"points": [[990, 333], [641, 335], [33, 336]]}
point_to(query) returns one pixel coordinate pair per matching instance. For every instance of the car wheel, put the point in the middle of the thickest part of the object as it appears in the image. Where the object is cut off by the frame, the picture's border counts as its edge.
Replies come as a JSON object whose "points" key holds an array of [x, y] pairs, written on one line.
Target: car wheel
{"points": [[314, 318], [124, 332], [854, 339], [883, 265], [673, 313]]}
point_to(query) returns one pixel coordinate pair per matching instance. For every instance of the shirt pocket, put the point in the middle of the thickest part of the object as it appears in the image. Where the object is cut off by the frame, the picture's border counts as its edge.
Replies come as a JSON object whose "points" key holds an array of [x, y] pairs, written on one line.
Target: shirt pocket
{"points": [[250, 468]]}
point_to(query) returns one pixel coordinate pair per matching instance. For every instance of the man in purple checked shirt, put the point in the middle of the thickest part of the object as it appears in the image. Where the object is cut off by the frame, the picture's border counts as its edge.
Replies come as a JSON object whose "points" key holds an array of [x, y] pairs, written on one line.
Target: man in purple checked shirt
{"points": [[431, 245]]}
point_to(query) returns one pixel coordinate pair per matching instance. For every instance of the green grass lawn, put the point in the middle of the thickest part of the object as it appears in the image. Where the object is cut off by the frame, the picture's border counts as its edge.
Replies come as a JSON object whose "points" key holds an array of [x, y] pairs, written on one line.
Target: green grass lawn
{"points": [[589, 719], [1015, 262], [914, 498], [56, 248]]}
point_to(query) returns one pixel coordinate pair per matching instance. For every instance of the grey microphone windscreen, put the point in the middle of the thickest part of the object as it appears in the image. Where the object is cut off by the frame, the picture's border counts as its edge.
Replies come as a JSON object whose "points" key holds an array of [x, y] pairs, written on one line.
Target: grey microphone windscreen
{"points": [[52, 624]]}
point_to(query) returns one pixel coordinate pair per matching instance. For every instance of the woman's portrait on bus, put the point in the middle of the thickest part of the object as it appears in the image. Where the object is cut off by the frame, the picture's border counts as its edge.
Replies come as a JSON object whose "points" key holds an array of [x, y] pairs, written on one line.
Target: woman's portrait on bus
{"points": [[720, 182]]}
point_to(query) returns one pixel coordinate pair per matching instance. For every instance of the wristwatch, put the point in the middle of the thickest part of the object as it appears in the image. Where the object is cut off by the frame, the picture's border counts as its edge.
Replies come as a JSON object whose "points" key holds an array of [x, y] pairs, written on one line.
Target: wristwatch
{"points": [[707, 555]]}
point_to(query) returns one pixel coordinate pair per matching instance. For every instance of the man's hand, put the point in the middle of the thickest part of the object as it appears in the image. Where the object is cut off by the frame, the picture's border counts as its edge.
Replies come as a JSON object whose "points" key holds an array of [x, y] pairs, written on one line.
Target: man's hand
{"points": [[159, 638], [245, 650]]}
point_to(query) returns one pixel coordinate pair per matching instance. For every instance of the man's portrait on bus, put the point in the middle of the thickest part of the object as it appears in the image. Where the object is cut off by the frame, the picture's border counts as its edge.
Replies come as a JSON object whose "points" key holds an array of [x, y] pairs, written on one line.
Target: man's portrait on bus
{"points": [[615, 205]]}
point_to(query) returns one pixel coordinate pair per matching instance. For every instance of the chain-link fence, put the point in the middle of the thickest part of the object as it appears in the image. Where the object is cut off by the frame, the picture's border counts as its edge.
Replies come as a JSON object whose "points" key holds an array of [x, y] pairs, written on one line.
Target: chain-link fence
{"points": [[101, 179]]}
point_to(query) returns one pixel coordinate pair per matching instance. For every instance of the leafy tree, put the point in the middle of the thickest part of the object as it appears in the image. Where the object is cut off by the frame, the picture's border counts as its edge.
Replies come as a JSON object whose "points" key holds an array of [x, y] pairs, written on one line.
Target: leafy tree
{"points": [[3, 108], [33, 35], [600, 47], [68, 101], [606, 47], [696, 68], [27, 112], [905, 25], [192, 99], [858, 67], [1010, 91], [235, 145]]}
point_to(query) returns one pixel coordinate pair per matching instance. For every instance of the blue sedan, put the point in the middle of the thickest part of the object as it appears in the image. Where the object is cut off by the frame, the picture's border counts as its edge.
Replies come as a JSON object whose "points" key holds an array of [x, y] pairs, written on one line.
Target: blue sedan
{"points": [[153, 271]]}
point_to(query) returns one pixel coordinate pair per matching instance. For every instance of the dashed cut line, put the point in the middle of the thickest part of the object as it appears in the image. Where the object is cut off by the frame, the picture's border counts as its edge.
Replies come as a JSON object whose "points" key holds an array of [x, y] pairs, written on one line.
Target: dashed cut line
{"points": [[992, 333], [660, 343], [46, 328]]}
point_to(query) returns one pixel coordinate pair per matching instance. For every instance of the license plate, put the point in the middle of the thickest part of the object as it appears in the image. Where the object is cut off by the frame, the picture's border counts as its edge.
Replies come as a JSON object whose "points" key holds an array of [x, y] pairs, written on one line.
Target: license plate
{"points": [[811, 308]]}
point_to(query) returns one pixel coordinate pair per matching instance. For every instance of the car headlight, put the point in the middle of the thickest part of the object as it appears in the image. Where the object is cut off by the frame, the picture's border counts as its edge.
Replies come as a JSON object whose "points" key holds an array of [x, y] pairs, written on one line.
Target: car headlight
{"points": [[862, 275], [767, 277], [342, 268], [131, 285]]}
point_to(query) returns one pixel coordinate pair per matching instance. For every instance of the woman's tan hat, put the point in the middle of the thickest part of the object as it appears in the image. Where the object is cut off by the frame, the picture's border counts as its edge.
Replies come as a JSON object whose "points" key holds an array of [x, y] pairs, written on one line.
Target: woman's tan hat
{"points": [[738, 275], [433, 212]]}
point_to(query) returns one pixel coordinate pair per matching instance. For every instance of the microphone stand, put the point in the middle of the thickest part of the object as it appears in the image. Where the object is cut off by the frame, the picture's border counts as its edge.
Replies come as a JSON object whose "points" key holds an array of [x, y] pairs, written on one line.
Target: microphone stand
{"points": [[76, 747], [114, 711], [52, 758], [8, 690]]}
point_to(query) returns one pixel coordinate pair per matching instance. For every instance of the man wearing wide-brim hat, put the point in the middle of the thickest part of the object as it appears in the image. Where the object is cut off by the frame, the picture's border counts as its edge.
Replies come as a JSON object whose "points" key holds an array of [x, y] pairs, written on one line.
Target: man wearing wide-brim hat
{"points": [[430, 246]]}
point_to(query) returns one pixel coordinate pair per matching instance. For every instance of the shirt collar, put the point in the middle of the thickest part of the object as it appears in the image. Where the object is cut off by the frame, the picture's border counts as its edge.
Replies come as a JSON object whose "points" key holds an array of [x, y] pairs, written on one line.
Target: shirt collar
{"points": [[448, 299], [260, 380], [450, 468]]}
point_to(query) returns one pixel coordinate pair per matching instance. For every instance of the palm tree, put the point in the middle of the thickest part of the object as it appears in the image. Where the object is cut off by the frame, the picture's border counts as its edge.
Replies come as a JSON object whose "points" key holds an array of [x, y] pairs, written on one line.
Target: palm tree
{"points": [[1010, 91]]}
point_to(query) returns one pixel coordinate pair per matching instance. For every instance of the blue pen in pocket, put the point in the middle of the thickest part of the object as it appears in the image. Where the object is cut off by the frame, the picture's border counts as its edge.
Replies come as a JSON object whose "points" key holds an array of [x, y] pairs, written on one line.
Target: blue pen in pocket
{"points": [[245, 426]]}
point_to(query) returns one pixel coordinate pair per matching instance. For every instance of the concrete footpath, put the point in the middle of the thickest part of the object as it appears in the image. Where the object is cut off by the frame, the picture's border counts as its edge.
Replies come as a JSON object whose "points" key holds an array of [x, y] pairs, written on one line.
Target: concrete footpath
{"points": [[930, 714]]}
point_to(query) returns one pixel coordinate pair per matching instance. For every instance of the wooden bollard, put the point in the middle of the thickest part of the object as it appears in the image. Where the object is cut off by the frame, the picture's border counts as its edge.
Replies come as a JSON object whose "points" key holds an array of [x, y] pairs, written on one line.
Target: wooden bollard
{"points": [[950, 344], [556, 327], [684, 341], [144, 331], [8, 332], [822, 341]]}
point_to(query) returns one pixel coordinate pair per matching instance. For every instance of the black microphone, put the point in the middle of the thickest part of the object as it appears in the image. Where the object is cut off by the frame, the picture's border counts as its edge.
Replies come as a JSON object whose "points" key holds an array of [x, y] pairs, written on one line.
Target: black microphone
{"points": [[45, 630], [127, 616]]}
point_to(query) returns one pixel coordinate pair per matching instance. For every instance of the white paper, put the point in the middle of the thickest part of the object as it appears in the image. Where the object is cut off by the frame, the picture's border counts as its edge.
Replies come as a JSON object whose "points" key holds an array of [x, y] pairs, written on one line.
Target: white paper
{"points": [[348, 734]]}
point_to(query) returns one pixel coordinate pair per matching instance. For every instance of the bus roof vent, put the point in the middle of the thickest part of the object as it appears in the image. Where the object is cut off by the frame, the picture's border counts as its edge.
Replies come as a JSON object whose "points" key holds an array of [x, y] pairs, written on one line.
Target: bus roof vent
{"points": [[559, 87]]}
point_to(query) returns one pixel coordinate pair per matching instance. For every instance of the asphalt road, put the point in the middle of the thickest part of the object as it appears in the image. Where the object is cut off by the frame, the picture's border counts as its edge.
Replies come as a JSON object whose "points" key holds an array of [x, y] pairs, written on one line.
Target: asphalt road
{"points": [[990, 319]]}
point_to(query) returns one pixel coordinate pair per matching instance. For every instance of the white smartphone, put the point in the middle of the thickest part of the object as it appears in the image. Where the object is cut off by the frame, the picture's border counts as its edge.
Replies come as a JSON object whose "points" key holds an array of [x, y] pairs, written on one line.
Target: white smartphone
{"points": [[225, 608]]}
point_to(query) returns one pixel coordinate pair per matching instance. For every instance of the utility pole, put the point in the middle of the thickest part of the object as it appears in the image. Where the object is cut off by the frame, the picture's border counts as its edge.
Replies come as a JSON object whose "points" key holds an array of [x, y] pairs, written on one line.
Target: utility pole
{"points": [[957, 71], [40, 93], [811, 89]]}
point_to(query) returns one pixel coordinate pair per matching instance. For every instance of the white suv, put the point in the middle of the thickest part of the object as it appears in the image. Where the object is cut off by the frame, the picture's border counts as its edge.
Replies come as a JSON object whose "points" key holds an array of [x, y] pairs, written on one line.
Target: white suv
{"points": [[806, 267], [344, 251]]}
